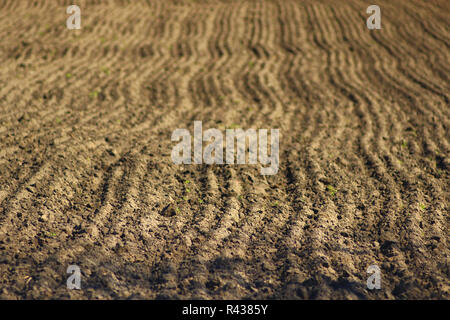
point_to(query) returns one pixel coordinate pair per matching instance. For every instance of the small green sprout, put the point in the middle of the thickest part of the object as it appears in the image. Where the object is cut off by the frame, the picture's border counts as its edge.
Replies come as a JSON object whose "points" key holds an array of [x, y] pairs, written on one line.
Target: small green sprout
{"points": [[105, 70], [331, 190], [233, 126], [48, 234], [404, 144]]}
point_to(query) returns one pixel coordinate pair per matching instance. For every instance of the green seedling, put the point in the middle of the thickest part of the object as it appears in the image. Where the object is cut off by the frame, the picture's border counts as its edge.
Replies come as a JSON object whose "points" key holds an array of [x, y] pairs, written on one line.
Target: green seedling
{"points": [[200, 201], [105, 70], [422, 206], [93, 94], [233, 126], [404, 144], [68, 75], [47, 234], [331, 190]]}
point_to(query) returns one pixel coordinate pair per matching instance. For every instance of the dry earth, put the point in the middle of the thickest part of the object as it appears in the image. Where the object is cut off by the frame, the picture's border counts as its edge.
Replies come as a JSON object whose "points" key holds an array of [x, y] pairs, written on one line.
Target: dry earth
{"points": [[86, 176]]}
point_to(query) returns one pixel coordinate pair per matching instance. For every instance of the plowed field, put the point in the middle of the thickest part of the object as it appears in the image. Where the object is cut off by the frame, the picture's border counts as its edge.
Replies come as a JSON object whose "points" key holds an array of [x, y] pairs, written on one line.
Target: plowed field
{"points": [[86, 175]]}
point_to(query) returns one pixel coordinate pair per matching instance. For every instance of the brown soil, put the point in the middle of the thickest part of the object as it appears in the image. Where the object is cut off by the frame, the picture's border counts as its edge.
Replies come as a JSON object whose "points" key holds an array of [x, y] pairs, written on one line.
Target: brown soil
{"points": [[86, 118]]}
